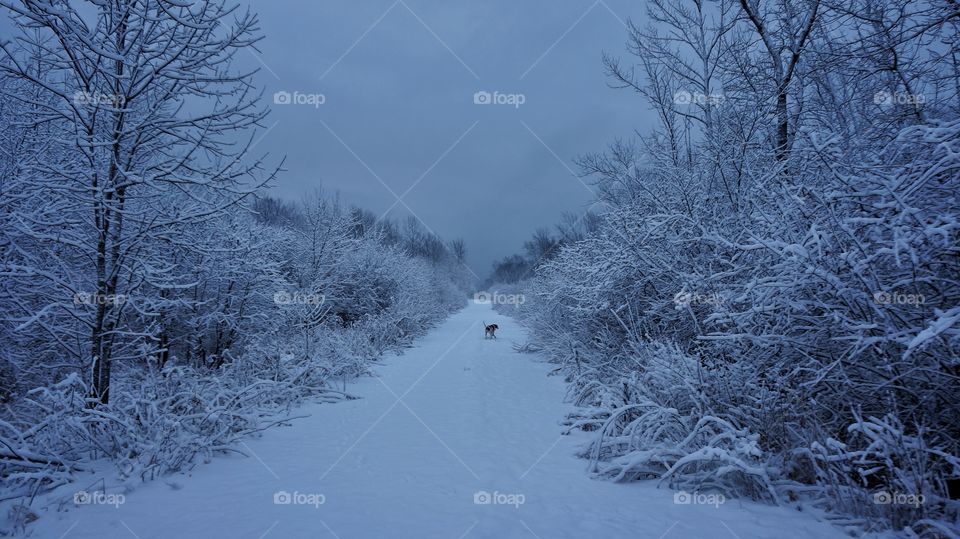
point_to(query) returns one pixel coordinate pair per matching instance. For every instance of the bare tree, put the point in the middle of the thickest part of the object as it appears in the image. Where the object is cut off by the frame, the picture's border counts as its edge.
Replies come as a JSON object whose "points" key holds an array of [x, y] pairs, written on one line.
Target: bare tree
{"points": [[458, 248], [784, 30], [147, 104]]}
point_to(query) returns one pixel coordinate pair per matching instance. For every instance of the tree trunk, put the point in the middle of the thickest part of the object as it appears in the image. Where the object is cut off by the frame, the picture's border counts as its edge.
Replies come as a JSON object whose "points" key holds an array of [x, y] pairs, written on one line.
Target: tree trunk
{"points": [[783, 132]]}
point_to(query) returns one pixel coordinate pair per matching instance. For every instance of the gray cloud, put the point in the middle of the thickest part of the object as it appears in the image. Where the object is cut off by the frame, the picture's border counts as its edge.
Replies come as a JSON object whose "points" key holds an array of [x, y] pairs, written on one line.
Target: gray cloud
{"points": [[400, 97]]}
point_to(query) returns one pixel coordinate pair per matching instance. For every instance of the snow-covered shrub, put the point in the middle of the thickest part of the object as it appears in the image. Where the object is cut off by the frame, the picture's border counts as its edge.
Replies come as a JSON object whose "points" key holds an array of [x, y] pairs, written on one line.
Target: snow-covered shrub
{"points": [[267, 321], [162, 420], [156, 318], [768, 304], [153, 309], [654, 419], [809, 357]]}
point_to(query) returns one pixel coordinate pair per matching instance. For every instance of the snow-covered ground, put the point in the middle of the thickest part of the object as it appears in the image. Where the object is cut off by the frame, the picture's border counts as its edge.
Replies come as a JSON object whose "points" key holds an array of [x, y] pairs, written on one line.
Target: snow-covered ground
{"points": [[453, 417]]}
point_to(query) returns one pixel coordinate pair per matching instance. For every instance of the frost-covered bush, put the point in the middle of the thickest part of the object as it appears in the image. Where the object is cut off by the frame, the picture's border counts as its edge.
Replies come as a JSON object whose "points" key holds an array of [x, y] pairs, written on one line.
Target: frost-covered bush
{"points": [[258, 330], [162, 421], [154, 307], [769, 303], [212, 313], [811, 358]]}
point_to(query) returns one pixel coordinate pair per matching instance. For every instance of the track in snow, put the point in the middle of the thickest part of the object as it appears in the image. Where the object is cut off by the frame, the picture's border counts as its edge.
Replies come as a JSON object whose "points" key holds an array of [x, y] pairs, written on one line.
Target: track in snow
{"points": [[451, 417]]}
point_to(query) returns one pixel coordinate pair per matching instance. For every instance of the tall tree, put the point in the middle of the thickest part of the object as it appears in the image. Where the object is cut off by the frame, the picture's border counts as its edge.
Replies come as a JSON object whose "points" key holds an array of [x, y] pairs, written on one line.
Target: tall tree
{"points": [[148, 107], [784, 30]]}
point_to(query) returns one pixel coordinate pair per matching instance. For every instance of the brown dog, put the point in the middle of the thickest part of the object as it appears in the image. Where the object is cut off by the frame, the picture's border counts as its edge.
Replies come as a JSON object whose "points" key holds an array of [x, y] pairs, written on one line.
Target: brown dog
{"points": [[490, 332]]}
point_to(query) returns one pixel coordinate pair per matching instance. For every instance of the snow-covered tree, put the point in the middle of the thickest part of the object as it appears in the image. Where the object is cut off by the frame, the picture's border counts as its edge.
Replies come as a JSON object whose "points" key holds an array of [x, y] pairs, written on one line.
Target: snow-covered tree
{"points": [[768, 304], [146, 105]]}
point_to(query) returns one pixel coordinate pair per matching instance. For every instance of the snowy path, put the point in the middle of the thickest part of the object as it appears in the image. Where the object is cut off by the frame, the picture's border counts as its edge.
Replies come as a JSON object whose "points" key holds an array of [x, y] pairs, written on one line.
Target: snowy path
{"points": [[455, 415]]}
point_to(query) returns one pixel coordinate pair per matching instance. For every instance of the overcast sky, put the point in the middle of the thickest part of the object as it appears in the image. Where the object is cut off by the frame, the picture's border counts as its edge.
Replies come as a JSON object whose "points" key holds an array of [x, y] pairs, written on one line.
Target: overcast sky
{"points": [[398, 79], [398, 118]]}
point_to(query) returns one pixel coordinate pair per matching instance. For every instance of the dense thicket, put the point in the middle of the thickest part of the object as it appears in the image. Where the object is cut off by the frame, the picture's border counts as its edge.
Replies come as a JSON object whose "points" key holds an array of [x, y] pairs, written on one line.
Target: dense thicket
{"points": [[769, 305], [154, 307]]}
